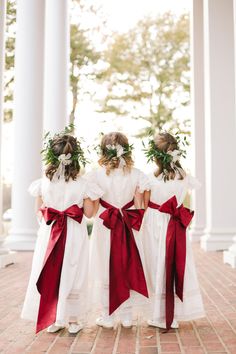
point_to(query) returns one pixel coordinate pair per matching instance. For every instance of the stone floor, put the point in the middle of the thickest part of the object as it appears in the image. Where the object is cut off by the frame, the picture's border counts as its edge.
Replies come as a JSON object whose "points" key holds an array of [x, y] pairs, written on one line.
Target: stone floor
{"points": [[214, 334]]}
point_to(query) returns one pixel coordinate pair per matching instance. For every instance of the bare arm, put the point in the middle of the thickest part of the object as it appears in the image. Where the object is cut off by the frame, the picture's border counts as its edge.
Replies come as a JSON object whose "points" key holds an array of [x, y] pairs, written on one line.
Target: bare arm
{"points": [[146, 198], [138, 200], [96, 204], [88, 207]]}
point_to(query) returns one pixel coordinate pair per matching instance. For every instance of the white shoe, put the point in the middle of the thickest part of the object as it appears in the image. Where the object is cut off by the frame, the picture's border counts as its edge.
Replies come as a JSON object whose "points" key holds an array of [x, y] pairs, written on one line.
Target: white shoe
{"points": [[162, 325], [175, 324], [75, 328], [127, 323], [153, 323], [105, 322], [54, 328]]}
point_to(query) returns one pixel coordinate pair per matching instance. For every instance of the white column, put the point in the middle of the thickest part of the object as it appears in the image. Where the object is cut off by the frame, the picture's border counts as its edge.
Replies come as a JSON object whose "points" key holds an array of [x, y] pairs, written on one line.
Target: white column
{"points": [[6, 257], [2, 65], [198, 126], [220, 124], [28, 112], [56, 65], [230, 255]]}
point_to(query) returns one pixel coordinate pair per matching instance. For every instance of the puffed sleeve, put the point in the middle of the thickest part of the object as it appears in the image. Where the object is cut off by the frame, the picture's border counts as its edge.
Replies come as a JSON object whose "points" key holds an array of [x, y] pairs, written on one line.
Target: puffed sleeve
{"points": [[93, 191], [143, 182], [35, 188], [193, 182]]}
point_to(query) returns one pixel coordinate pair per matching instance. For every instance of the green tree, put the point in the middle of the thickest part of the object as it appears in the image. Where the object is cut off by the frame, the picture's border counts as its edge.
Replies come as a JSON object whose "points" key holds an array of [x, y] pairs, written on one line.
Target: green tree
{"points": [[83, 55], [9, 58], [86, 49], [147, 74]]}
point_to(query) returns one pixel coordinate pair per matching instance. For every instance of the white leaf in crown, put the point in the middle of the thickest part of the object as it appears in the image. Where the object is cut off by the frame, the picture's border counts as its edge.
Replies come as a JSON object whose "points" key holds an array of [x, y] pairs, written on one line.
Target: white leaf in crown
{"points": [[175, 155], [119, 150]]}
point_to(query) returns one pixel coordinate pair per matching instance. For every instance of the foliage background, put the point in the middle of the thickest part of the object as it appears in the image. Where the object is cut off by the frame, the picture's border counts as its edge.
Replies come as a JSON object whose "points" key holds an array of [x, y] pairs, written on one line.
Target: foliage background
{"points": [[142, 73]]}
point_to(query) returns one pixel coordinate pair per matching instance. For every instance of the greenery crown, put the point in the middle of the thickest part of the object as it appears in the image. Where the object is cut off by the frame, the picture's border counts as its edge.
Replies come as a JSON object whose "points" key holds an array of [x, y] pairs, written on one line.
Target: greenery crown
{"points": [[166, 157], [47, 152], [115, 150]]}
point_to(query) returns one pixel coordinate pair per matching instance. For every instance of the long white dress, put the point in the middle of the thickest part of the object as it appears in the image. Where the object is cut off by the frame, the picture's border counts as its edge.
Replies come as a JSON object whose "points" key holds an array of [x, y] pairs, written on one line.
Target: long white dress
{"points": [[154, 244], [119, 189], [72, 302]]}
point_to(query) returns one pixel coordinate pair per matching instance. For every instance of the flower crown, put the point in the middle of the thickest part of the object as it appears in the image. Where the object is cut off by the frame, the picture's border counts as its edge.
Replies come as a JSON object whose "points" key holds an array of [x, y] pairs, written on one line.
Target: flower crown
{"points": [[167, 158], [118, 151], [50, 158]]}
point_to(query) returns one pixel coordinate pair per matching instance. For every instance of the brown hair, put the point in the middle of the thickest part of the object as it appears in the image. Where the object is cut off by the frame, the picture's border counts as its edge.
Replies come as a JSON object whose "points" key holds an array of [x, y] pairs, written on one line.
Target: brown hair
{"points": [[65, 144], [114, 138], [166, 142]]}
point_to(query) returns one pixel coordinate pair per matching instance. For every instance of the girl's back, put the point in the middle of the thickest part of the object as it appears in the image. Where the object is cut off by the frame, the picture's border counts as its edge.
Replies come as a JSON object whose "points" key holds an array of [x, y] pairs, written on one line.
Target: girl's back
{"points": [[166, 249], [115, 263], [60, 262], [61, 194], [162, 190], [119, 187]]}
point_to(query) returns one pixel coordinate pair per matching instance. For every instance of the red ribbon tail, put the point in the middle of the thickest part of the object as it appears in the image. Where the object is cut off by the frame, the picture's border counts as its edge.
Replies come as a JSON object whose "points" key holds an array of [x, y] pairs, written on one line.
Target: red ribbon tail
{"points": [[46, 314], [125, 268], [179, 293], [137, 281], [115, 300], [170, 270], [169, 309], [180, 218], [118, 285], [180, 254], [49, 282], [170, 299]]}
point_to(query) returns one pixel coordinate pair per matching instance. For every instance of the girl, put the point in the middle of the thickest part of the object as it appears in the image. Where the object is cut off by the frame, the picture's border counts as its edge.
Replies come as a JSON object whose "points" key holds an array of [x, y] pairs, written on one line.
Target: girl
{"points": [[57, 290], [116, 269], [168, 255]]}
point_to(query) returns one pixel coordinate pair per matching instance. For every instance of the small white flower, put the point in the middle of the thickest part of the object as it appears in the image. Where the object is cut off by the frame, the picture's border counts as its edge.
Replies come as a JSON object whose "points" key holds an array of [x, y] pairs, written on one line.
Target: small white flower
{"points": [[175, 155], [119, 150], [65, 159]]}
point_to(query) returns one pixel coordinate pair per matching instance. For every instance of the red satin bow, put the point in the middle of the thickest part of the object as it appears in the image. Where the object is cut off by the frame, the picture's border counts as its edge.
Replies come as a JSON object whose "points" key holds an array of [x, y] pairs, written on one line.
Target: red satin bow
{"points": [[175, 251], [126, 270], [48, 283]]}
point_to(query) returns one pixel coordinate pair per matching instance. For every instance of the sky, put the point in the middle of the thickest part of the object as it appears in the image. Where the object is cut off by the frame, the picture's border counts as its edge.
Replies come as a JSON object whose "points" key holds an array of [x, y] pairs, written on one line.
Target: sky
{"points": [[123, 14]]}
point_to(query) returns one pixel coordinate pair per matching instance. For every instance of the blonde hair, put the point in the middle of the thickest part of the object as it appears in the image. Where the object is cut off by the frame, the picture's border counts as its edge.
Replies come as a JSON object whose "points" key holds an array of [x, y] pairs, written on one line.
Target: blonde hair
{"points": [[166, 142], [112, 163]]}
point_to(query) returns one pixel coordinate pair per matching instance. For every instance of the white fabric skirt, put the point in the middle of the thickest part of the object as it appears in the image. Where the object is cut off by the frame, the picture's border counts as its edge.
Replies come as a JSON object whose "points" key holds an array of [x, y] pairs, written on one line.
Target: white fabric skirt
{"points": [[154, 245], [73, 292], [99, 277]]}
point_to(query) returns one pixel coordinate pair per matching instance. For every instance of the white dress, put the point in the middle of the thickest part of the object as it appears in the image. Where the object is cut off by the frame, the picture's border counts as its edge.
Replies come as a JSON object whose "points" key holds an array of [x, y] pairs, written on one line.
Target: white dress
{"points": [[72, 302], [119, 189], [154, 244]]}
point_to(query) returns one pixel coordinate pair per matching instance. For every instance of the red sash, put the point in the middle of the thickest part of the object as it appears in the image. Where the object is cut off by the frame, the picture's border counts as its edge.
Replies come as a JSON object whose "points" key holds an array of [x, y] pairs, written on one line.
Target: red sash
{"points": [[126, 270], [175, 251], [48, 283]]}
